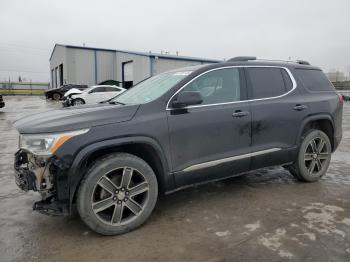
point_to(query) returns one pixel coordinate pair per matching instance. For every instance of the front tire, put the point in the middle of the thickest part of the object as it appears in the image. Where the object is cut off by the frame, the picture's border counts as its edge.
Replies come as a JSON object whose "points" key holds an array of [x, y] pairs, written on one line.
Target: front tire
{"points": [[117, 194], [314, 157], [78, 101]]}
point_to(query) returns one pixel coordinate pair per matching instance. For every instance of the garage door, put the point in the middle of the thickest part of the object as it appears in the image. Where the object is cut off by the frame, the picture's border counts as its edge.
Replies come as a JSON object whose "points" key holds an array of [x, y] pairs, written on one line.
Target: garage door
{"points": [[128, 71]]}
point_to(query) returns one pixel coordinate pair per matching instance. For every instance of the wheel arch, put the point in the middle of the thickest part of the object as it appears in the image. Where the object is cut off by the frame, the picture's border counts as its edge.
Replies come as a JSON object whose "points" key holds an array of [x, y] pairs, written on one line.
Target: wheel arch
{"points": [[144, 147], [322, 122], [81, 98]]}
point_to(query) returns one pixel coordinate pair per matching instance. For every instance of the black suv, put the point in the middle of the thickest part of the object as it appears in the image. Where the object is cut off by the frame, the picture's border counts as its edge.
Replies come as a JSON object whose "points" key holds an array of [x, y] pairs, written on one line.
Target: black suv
{"points": [[175, 129]]}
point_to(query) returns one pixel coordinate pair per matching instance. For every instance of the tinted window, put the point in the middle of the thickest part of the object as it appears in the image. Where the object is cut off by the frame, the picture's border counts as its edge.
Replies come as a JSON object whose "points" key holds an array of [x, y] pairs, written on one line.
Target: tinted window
{"points": [[287, 80], [112, 89], [314, 80], [99, 89], [266, 82], [218, 86], [110, 82]]}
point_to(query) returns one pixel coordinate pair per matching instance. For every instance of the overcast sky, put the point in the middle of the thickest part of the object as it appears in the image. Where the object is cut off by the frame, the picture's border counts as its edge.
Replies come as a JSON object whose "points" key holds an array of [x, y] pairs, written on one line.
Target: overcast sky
{"points": [[313, 30]]}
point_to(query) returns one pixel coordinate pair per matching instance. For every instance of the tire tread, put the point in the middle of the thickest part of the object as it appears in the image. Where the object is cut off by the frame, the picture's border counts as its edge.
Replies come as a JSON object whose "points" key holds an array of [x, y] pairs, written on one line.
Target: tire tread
{"points": [[99, 163]]}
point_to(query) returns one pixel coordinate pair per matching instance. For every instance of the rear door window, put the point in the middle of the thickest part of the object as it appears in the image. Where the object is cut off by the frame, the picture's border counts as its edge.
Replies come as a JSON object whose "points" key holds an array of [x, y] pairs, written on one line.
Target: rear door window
{"points": [[314, 80], [266, 82]]}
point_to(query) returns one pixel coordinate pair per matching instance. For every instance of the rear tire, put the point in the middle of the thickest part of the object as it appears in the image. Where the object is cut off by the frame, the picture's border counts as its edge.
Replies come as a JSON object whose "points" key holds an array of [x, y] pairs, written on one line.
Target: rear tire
{"points": [[78, 101], [313, 158], [117, 194]]}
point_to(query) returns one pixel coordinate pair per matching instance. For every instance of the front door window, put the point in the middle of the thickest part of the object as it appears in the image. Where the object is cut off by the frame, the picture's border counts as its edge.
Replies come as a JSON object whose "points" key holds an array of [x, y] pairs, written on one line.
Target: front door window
{"points": [[218, 86]]}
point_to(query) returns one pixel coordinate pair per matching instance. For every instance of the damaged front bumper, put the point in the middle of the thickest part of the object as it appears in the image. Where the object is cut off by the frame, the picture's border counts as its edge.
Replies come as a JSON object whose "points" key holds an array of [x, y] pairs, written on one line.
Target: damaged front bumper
{"points": [[34, 173], [67, 101]]}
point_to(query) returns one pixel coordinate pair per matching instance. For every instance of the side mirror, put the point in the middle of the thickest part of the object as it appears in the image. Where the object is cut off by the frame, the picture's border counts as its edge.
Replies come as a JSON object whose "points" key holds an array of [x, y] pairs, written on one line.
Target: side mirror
{"points": [[187, 98]]}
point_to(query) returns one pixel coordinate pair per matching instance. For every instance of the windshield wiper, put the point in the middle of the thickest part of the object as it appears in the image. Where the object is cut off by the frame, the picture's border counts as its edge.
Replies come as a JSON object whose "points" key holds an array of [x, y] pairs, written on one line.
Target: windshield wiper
{"points": [[116, 103]]}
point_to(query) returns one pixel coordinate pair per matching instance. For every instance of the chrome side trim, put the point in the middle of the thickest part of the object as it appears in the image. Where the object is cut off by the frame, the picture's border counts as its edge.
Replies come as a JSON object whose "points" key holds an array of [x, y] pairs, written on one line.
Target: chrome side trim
{"points": [[228, 159], [216, 179], [234, 102]]}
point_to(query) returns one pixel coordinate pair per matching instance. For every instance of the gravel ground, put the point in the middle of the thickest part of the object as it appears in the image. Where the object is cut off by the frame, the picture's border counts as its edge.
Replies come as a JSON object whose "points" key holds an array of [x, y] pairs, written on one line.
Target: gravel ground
{"points": [[265, 215]]}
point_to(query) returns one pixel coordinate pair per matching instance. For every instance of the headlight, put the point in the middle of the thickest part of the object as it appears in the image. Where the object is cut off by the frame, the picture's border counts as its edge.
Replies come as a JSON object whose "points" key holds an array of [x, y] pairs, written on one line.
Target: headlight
{"points": [[46, 144]]}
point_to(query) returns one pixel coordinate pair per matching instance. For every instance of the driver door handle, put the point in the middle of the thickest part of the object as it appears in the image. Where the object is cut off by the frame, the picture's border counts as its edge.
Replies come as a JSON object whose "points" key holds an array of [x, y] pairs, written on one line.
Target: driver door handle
{"points": [[299, 107], [239, 113]]}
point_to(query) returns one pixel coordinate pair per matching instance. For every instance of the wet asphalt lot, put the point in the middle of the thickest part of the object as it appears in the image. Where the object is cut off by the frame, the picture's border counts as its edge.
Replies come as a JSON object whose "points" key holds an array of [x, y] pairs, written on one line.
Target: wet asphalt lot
{"points": [[265, 215]]}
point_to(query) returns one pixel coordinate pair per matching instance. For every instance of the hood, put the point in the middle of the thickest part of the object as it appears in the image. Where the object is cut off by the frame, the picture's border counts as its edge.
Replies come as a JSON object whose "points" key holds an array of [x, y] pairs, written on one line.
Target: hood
{"points": [[74, 118], [52, 89], [73, 91]]}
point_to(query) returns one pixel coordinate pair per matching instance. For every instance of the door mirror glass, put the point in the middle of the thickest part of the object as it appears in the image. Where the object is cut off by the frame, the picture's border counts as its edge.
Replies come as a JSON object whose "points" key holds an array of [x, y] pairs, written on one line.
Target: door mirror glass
{"points": [[187, 98]]}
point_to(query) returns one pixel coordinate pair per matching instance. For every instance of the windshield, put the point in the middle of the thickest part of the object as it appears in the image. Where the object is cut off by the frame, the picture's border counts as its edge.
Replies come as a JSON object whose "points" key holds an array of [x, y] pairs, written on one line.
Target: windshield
{"points": [[151, 88]]}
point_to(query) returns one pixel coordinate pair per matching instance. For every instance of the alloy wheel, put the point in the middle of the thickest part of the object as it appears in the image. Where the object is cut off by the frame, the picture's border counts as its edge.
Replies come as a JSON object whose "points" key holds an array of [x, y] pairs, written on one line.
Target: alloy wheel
{"points": [[316, 155], [78, 102], [120, 196]]}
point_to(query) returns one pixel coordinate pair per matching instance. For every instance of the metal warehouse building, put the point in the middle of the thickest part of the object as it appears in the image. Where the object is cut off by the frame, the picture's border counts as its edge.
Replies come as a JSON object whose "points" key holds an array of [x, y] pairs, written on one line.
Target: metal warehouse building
{"points": [[86, 65]]}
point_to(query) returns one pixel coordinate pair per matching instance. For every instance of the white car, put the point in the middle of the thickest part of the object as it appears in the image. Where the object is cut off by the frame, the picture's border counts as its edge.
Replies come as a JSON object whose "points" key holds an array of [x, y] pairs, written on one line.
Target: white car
{"points": [[72, 91], [94, 94]]}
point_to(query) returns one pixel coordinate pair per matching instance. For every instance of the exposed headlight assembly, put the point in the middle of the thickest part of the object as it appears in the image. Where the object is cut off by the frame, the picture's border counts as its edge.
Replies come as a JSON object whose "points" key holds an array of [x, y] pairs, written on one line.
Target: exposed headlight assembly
{"points": [[46, 144]]}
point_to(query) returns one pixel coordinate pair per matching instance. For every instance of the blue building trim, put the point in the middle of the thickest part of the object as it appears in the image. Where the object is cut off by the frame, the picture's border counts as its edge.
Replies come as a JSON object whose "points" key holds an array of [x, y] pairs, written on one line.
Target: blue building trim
{"points": [[154, 55], [95, 60]]}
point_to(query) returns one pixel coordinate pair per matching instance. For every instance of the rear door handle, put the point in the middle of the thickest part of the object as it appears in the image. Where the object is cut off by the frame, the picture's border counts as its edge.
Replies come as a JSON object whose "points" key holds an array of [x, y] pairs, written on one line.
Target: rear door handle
{"points": [[239, 113], [299, 107]]}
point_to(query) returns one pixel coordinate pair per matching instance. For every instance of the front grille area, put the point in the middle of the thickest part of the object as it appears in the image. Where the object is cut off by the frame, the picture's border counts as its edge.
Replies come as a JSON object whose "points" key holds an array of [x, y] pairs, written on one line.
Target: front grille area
{"points": [[24, 178]]}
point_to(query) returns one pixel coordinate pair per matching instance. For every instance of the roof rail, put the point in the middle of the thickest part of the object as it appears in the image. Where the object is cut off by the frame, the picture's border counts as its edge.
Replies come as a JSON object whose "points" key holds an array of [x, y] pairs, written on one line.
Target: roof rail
{"points": [[303, 62], [250, 58], [241, 58]]}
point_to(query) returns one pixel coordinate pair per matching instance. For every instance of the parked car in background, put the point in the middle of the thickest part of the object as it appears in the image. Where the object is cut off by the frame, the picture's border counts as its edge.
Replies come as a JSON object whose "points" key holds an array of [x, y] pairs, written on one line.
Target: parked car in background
{"points": [[67, 98], [346, 97], [91, 95], [58, 93], [110, 83], [175, 129], [72, 91], [2, 103]]}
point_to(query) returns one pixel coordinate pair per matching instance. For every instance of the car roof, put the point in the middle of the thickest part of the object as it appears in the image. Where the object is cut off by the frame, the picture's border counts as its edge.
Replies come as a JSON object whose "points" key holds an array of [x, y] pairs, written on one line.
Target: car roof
{"points": [[287, 64], [106, 86], [204, 67]]}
